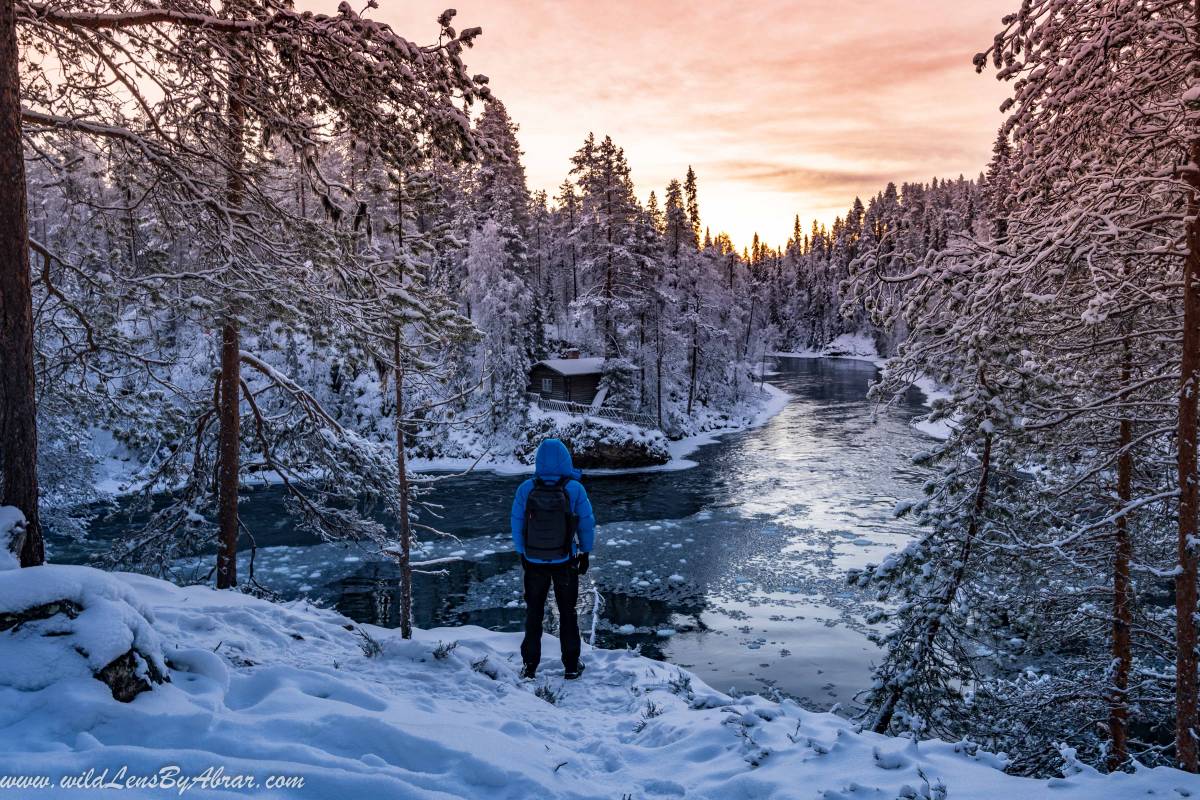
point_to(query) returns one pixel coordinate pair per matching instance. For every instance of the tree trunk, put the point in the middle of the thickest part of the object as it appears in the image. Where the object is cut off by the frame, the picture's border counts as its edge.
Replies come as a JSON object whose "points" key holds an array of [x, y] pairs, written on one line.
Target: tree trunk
{"points": [[610, 348], [1118, 712], [1187, 720], [574, 275], [749, 324], [695, 354], [402, 477], [229, 450], [229, 445], [658, 362], [18, 408], [642, 359]]}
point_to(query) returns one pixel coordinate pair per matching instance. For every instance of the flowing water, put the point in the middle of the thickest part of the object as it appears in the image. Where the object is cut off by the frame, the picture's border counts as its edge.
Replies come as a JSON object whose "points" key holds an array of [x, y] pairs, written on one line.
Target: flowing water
{"points": [[734, 568]]}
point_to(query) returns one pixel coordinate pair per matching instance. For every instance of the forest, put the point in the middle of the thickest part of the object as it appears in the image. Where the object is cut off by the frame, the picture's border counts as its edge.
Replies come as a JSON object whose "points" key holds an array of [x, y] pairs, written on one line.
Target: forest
{"points": [[244, 244]]}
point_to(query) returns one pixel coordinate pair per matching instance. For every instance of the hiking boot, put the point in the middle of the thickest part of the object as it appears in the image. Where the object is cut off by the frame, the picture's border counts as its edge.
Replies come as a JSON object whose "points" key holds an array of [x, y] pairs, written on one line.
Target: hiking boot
{"points": [[528, 671], [572, 674]]}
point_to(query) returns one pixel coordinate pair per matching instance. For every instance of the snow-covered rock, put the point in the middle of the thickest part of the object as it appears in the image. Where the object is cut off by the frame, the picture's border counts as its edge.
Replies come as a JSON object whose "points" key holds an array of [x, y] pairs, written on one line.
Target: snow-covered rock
{"points": [[601, 444], [66, 624], [263, 691]]}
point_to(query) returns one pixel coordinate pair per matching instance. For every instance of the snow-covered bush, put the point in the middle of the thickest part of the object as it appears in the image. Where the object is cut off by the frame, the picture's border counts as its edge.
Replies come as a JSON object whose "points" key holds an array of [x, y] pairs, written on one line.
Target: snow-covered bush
{"points": [[12, 528]]}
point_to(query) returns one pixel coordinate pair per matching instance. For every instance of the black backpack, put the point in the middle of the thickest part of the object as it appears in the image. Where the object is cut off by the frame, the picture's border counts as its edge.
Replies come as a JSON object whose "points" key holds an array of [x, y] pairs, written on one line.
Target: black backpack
{"points": [[549, 523]]}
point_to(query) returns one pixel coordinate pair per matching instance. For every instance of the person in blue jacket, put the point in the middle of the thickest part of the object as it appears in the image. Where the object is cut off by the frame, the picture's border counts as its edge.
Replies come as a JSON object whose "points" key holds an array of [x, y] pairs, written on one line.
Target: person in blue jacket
{"points": [[553, 529]]}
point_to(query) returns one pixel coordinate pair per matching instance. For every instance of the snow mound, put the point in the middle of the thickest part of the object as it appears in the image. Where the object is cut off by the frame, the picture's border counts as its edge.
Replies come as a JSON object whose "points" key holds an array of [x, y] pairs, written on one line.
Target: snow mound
{"points": [[262, 690]]}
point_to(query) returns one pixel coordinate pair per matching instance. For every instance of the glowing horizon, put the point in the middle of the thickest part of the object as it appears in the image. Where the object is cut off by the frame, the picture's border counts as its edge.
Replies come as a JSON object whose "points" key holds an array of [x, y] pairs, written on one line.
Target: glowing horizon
{"points": [[786, 107]]}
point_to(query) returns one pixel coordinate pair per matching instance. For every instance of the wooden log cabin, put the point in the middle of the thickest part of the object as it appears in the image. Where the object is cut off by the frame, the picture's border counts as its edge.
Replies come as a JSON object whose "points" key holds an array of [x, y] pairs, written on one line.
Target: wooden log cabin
{"points": [[574, 380]]}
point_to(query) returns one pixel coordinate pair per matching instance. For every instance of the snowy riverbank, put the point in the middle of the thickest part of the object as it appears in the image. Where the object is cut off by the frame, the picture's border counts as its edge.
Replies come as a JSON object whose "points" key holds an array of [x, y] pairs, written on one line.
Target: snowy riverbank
{"points": [[118, 473], [855, 346], [296, 691], [508, 464]]}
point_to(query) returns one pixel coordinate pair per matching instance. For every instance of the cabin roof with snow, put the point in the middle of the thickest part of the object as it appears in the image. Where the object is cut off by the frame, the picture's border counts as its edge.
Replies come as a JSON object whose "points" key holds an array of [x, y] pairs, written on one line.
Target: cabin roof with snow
{"points": [[573, 366]]}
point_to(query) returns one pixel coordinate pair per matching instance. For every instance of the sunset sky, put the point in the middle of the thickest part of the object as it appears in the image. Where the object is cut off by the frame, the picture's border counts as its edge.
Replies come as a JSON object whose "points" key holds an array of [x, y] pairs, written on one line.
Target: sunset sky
{"points": [[783, 107]]}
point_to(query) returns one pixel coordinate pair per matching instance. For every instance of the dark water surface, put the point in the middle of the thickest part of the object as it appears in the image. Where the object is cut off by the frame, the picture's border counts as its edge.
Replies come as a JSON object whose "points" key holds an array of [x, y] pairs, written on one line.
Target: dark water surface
{"points": [[734, 568]]}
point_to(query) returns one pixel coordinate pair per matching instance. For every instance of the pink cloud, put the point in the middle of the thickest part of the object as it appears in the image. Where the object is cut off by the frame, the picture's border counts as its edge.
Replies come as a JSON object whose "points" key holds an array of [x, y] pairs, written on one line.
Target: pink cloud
{"points": [[783, 107]]}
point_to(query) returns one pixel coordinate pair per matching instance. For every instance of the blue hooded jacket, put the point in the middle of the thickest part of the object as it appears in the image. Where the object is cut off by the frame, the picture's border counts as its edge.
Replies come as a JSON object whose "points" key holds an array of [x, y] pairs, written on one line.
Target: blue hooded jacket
{"points": [[553, 463]]}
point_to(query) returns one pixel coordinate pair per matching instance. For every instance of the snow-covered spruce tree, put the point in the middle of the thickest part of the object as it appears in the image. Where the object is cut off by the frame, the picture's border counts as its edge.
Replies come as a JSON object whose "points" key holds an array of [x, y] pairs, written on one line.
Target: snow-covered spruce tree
{"points": [[426, 328], [607, 264], [407, 307], [718, 356], [1073, 318], [1085, 652], [1078, 258], [397, 375], [650, 305], [1106, 106], [502, 291], [1098, 427], [564, 263], [807, 297], [673, 347], [541, 278], [240, 90], [500, 308]]}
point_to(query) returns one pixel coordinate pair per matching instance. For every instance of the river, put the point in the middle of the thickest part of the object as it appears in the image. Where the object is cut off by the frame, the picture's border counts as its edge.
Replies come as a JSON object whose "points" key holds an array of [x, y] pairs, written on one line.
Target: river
{"points": [[734, 568]]}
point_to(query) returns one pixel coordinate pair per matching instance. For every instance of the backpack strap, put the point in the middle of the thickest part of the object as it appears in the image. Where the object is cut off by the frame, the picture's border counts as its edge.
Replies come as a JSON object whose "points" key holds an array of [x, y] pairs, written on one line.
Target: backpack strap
{"points": [[572, 519]]}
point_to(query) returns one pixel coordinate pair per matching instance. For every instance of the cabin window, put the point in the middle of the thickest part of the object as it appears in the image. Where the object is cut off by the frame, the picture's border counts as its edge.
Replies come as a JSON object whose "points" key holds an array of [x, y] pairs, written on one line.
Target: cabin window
{"points": [[547, 385]]}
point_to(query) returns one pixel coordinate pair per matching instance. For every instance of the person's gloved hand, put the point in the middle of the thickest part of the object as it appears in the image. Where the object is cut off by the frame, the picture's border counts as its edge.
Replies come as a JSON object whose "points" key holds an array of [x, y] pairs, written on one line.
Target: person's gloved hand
{"points": [[581, 563]]}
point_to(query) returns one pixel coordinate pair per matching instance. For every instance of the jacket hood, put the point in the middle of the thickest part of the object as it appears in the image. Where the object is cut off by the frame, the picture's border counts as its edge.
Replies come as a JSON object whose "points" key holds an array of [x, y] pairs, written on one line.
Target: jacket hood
{"points": [[554, 461]]}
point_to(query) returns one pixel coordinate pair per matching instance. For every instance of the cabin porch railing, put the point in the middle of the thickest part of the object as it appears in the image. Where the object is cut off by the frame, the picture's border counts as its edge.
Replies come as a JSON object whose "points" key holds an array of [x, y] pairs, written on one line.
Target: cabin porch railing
{"points": [[616, 414]]}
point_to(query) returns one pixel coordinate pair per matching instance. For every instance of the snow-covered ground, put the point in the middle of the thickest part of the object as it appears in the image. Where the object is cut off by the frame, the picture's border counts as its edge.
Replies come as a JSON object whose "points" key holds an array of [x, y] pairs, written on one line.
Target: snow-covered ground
{"points": [[291, 691]]}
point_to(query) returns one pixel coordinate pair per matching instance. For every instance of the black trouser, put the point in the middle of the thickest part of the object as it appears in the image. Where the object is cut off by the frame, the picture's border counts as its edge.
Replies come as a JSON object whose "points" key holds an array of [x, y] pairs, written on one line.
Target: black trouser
{"points": [[538, 579]]}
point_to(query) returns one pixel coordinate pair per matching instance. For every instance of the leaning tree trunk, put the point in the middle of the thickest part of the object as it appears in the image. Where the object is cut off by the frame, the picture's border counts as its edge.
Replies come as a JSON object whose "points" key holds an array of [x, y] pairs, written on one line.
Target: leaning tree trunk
{"points": [[887, 710], [229, 435], [1118, 710], [406, 591], [18, 410]]}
